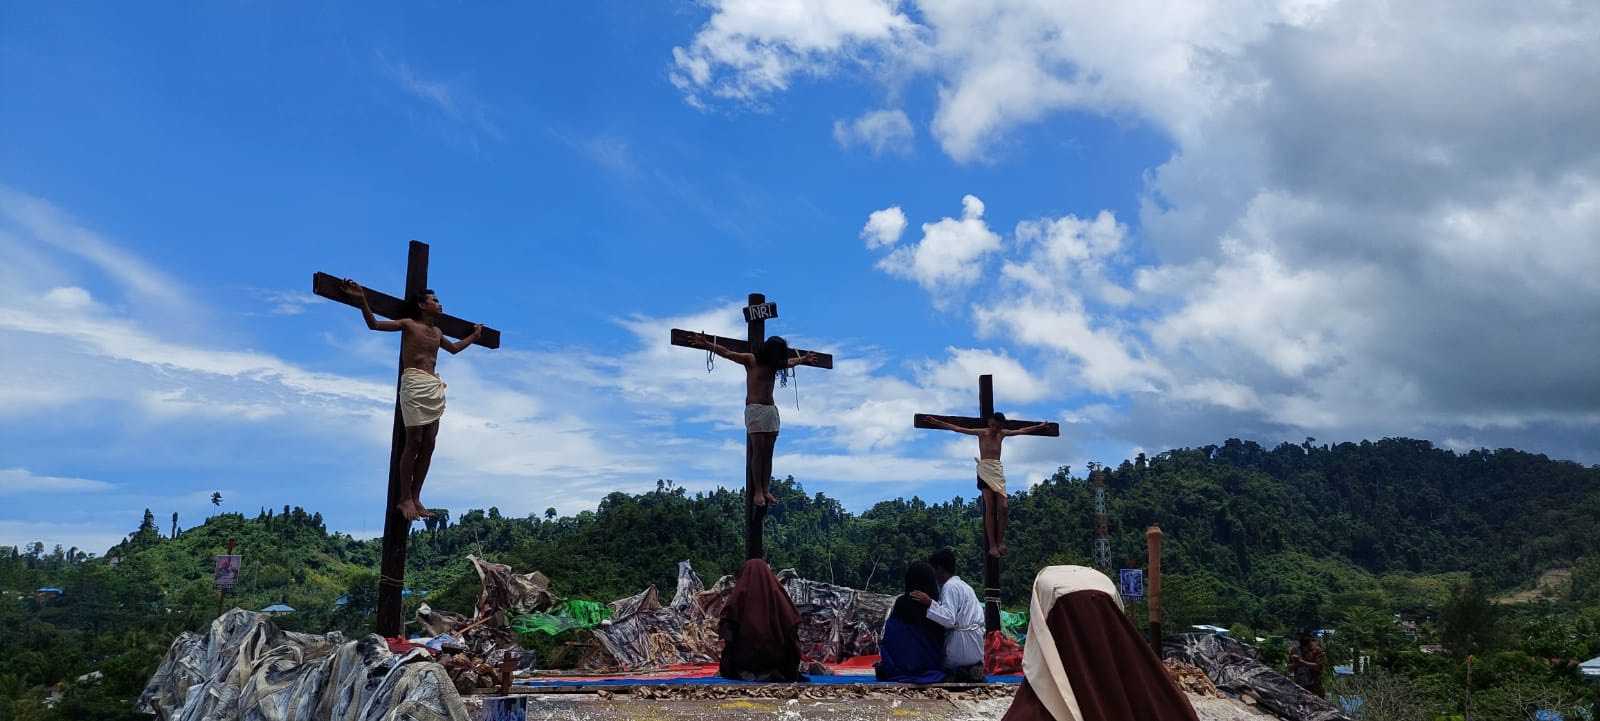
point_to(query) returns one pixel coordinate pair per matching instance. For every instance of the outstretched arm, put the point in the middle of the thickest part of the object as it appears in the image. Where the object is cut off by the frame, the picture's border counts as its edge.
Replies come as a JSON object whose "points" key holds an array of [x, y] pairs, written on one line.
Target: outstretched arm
{"points": [[354, 290], [802, 359], [709, 342], [461, 345], [953, 427], [1028, 429]]}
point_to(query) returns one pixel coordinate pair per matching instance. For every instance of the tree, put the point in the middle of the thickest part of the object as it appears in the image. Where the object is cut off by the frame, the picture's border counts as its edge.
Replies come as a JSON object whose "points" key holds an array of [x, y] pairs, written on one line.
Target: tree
{"points": [[1470, 622], [174, 524], [216, 498]]}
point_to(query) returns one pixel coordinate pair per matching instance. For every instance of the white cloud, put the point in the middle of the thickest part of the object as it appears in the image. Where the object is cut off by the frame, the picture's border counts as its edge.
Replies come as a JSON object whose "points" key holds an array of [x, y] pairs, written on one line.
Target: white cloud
{"points": [[1109, 360], [950, 254], [881, 131], [997, 64], [450, 100], [432, 91], [753, 47], [959, 373], [14, 481], [286, 302], [872, 467], [1377, 218], [884, 227], [46, 225]]}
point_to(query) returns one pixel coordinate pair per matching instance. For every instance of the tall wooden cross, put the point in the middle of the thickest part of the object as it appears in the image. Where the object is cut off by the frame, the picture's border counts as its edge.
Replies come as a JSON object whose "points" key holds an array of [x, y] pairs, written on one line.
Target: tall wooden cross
{"points": [[756, 316], [396, 529], [991, 564]]}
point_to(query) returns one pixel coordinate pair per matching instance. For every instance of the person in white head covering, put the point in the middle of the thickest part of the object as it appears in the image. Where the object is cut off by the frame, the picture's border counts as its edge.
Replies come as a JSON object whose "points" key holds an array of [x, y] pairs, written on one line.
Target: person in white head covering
{"points": [[1084, 660]]}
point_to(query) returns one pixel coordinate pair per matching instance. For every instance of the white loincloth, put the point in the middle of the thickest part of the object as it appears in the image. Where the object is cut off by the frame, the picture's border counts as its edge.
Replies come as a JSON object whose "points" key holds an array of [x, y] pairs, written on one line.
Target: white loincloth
{"points": [[421, 397], [760, 418], [992, 474]]}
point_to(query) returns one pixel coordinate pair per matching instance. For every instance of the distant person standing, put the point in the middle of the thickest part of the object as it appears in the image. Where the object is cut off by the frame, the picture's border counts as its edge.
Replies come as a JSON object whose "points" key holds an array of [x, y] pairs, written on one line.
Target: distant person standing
{"points": [[1305, 664]]}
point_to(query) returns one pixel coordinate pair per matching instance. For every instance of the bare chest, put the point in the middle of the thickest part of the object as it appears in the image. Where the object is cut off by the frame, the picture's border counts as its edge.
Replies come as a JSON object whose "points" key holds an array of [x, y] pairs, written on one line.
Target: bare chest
{"points": [[419, 337]]}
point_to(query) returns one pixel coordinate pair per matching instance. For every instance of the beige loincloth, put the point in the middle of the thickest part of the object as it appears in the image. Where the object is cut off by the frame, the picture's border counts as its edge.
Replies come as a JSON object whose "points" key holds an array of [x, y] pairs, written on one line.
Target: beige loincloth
{"points": [[760, 418], [421, 397], [992, 474]]}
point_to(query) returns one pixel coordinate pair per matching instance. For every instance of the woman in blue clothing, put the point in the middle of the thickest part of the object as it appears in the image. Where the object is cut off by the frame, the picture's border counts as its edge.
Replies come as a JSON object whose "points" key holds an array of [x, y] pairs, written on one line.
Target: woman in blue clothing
{"points": [[912, 649]]}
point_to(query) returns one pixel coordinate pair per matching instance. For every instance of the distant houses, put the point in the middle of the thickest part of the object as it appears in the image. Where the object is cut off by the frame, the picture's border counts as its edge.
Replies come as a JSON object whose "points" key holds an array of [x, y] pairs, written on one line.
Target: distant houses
{"points": [[277, 609], [47, 594]]}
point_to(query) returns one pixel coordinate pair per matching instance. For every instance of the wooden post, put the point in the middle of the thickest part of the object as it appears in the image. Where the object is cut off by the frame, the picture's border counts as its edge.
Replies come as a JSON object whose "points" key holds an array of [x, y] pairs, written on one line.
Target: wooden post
{"points": [[396, 529], [1152, 540], [991, 564], [754, 516]]}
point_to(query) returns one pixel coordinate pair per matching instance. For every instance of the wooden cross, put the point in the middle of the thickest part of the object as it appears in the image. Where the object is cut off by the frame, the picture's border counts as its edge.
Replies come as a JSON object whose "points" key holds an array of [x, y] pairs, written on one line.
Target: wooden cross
{"points": [[396, 529], [991, 564], [756, 316]]}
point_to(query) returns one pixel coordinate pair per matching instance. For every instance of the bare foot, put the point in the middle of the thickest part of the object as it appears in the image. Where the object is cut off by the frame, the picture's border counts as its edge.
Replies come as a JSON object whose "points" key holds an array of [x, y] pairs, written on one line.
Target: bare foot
{"points": [[997, 551], [1003, 550], [759, 499], [771, 499], [406, 509], [422, 511]]}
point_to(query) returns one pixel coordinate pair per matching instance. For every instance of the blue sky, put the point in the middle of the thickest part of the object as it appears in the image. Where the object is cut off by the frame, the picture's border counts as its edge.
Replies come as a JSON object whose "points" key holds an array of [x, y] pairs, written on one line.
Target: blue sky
{"points": [[1157, 228]]}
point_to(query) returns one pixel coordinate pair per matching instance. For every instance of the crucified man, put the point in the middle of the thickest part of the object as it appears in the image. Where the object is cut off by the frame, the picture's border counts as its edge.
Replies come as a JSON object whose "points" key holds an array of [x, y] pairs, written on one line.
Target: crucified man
{"points": [[421, 390], [761, 369], [992, 475]]}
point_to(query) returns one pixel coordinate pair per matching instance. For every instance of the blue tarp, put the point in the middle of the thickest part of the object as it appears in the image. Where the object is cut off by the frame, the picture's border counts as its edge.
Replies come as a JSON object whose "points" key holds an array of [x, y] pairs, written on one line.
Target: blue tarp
{"points": [[719, 681]]}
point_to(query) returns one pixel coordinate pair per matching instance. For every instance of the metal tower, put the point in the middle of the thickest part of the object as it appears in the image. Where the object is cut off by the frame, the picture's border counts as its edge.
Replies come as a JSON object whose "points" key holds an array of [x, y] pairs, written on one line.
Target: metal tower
{"points": [[1102, 525]]}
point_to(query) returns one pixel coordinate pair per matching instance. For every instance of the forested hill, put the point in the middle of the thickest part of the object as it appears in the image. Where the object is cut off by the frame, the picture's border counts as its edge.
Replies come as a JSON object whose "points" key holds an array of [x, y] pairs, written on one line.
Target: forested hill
{"points": [[1272, 539]]}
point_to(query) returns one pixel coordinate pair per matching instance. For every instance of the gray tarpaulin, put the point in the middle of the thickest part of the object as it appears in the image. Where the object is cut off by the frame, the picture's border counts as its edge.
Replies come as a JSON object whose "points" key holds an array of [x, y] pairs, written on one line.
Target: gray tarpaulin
{"points": [[1234, 668], [245, 669], [836, 623], [513, 594]]}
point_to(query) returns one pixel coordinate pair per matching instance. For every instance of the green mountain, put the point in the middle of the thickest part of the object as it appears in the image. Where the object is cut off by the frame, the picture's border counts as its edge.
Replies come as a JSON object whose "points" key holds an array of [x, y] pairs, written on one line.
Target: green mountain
{"points": [[1262, 540]]}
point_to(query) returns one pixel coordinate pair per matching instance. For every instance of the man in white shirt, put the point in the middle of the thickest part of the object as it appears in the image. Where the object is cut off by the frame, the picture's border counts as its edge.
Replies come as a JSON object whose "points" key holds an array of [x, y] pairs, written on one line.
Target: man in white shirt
{"points": [[959, 611]]}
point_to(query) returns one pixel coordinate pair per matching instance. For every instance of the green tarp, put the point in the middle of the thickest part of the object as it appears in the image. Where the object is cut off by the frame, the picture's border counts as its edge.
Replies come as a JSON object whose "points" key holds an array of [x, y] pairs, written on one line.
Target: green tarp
{"points": [[568, 615], [1014, 625]]}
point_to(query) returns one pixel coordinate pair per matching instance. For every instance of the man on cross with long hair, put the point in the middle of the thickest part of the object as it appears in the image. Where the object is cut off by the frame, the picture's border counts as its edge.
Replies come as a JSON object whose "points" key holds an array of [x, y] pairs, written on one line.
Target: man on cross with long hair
{"points": [[761, 370]]}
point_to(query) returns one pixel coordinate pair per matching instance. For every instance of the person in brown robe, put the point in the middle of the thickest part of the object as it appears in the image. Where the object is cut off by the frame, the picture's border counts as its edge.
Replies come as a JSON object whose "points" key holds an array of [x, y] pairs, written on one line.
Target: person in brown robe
{"points": [[760, 628], [1084, 660]]}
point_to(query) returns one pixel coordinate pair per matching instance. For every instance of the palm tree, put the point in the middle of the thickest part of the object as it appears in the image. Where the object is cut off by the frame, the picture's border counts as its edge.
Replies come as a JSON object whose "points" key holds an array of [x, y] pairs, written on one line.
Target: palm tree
{"points": [[216, 498]]}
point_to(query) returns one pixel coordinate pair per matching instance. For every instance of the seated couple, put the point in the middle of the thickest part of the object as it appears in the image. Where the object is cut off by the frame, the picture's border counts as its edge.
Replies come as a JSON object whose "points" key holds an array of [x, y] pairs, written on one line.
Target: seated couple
{"points": [[935, 630]]}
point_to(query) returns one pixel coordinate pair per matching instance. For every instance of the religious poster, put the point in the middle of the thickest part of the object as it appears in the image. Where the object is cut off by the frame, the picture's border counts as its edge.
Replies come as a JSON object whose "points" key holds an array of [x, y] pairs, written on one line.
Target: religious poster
{"points": [[1131, 584], [227, 572]]}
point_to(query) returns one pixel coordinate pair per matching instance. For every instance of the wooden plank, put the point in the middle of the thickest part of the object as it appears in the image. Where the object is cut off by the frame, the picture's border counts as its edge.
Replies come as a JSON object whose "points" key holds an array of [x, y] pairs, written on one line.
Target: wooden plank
{"points": [[683, 338], [388, 306], [921, 420]]}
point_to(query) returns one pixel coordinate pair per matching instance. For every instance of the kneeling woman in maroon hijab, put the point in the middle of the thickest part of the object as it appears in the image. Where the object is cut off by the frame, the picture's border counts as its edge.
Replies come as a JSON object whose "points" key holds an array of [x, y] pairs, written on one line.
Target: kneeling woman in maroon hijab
{"points": [[759, 628], [1084, 660]]}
